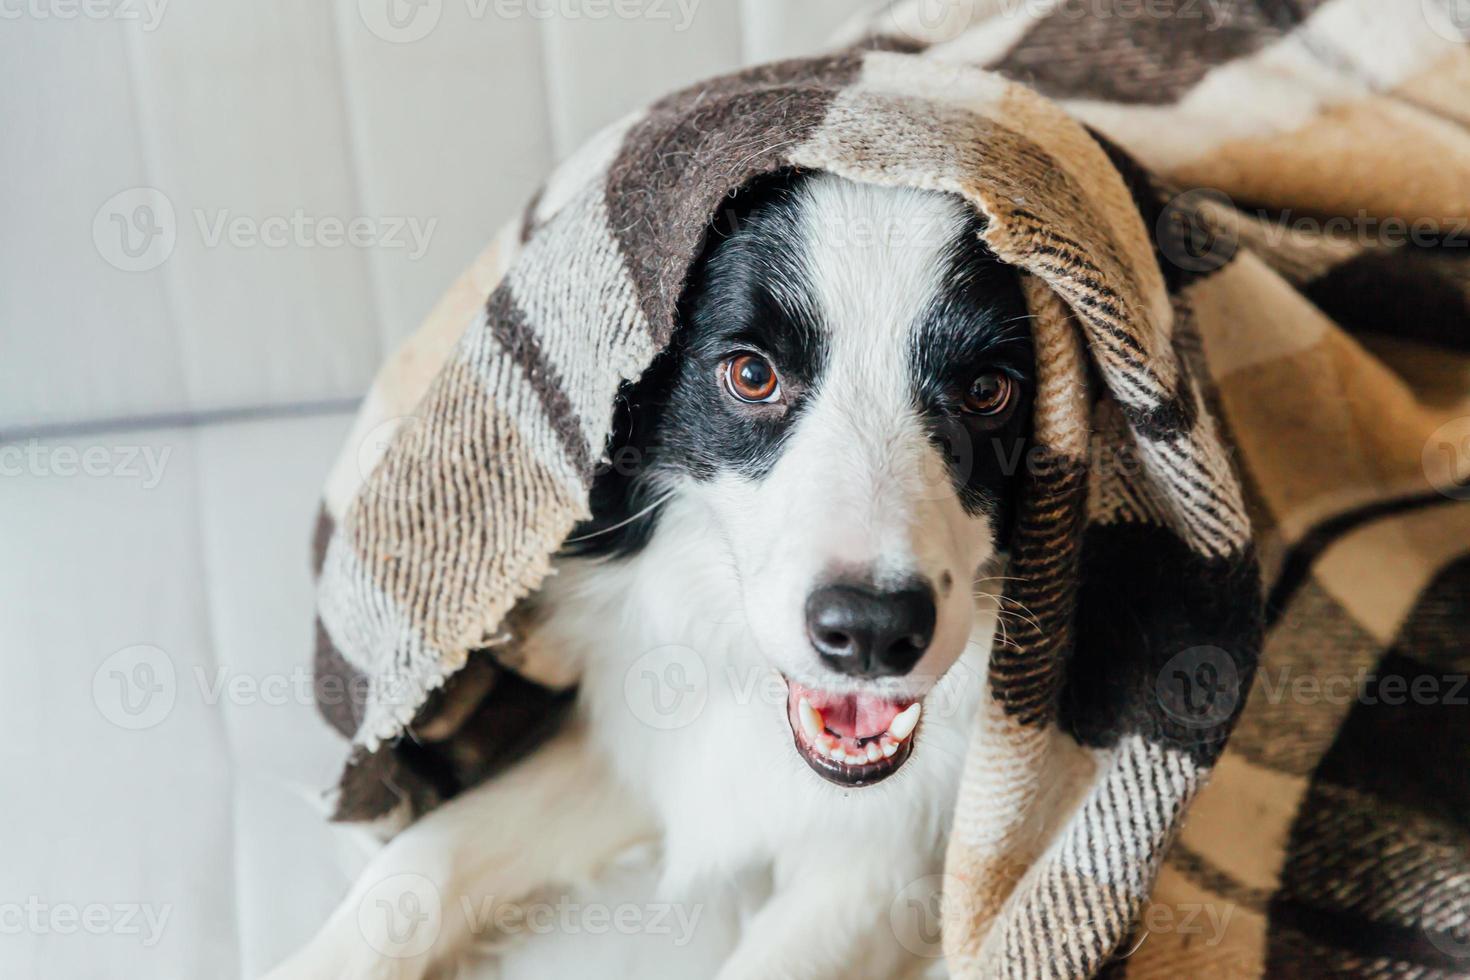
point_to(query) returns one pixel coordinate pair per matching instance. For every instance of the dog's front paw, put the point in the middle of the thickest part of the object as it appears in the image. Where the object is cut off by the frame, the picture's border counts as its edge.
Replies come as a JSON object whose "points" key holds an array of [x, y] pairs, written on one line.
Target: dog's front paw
{"points": [[390, 937], [320, 963]]}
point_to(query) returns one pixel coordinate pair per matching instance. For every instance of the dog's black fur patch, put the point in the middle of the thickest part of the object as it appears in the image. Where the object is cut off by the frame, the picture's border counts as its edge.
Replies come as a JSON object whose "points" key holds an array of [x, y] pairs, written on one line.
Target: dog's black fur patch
{"points": [[979, 322], [746, 293]]}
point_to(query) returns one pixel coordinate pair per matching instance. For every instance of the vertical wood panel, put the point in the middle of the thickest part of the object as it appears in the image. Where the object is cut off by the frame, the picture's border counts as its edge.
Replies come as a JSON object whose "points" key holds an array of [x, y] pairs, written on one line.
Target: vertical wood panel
{"points": [[602, 67], [118, 750], [79, 338], [449, 125], [243, 114], [792, 28], [275, 110], [261, 606]]}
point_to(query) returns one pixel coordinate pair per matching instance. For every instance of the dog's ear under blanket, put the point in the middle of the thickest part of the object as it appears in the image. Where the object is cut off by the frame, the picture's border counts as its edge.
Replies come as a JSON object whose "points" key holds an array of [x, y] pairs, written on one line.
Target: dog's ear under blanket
{"points": [[1133, 554]]}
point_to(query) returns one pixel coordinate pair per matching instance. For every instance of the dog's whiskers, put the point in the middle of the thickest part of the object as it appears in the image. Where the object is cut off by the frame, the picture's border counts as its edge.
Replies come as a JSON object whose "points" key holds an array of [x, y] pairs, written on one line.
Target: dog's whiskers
{"points": [[1000, 578], [1024, 615], [626, 521], [1005, 638]]}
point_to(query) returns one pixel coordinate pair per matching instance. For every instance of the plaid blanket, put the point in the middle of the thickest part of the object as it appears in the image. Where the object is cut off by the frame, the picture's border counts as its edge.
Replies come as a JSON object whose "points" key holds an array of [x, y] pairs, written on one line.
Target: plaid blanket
{"points": [[1242, 232]]}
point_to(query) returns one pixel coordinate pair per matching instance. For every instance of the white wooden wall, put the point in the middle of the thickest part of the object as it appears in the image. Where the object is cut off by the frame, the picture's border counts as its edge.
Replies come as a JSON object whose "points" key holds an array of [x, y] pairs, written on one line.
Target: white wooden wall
{"points": [[253, 109], [216, 384]]}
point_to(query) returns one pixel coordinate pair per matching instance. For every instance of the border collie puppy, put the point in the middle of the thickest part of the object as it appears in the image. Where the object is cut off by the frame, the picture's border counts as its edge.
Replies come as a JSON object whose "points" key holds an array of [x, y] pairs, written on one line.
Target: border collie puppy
{"points": [[780, 612]]}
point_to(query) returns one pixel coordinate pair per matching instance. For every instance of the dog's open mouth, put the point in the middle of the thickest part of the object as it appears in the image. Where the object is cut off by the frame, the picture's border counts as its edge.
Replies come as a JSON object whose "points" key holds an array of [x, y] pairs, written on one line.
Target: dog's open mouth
{"points": [[851, 739]]}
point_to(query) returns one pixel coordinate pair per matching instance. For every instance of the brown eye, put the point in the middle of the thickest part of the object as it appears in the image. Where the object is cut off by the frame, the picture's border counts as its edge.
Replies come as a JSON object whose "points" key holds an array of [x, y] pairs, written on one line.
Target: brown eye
{"points": [[990, 394], [750, 378]]}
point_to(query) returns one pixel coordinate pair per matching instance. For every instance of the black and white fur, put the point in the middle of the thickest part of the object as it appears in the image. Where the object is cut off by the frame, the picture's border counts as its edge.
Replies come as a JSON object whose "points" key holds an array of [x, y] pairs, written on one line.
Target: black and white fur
{"points": [[714, 524]]}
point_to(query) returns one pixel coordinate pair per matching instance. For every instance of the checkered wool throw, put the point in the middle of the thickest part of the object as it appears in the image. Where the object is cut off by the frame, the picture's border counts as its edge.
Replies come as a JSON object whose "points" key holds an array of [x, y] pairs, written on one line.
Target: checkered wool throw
{"points": [[1242, 230]]}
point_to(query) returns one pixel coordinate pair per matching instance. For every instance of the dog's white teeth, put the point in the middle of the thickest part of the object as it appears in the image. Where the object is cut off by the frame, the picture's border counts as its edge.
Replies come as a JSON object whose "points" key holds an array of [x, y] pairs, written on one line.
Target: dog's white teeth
{"points": [[811, 719], [903, 725], [825, 745]]}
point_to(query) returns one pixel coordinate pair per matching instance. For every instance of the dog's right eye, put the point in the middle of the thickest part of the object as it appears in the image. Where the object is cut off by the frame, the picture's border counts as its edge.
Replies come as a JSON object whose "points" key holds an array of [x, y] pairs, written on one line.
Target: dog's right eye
{"points": [[990, 394], [751, 378]]}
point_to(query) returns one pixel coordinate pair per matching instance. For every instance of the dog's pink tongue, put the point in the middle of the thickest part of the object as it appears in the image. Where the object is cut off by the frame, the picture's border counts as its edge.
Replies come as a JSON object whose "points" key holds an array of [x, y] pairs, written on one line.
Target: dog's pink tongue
{"points": [[850, 715]]}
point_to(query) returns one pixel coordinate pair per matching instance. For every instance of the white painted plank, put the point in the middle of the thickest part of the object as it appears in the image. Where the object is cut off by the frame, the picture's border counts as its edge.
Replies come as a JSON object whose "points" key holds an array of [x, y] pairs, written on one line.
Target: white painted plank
{"points": [[246, 118], [242, 112], [79, 337], [449, 124], [792, 28], [259, 486], [292, 868], [103, 730], [603, 63]]}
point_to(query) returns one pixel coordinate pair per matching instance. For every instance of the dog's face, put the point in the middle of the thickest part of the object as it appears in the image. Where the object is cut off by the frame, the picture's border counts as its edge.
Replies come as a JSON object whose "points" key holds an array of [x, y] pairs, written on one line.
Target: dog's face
{"points": [[847, 399]]}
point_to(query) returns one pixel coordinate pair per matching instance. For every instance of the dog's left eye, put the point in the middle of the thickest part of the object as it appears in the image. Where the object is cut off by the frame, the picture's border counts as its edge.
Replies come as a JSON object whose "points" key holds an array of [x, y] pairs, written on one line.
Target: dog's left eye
{"points": [[751, 378], [990, 394]]}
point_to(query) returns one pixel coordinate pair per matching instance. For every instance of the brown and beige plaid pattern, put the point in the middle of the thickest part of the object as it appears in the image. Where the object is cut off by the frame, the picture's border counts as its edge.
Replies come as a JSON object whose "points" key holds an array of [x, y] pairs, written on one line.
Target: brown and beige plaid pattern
{"points": [[1245, 510]]}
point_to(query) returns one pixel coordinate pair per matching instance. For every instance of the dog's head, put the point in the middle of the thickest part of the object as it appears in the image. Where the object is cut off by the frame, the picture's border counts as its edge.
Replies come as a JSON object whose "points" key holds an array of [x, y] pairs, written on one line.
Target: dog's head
{"points": [[847, 400]]}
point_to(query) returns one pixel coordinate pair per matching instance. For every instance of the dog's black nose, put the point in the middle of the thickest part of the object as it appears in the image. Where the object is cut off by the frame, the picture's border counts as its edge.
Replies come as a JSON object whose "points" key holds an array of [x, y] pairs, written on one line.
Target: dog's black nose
{"points": [[864, 632]]}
